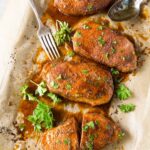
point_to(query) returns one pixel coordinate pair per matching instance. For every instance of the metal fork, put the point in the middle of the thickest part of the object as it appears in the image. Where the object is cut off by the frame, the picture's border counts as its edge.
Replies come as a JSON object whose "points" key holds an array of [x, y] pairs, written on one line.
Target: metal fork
{"points": [[45, 35]]}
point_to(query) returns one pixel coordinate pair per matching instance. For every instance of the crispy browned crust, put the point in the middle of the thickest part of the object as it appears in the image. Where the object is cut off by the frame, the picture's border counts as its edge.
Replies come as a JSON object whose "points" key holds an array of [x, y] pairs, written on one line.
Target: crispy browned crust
{"points": [[104, 132], [80, 7], [116, 51], [63, 137], [94, 86]]}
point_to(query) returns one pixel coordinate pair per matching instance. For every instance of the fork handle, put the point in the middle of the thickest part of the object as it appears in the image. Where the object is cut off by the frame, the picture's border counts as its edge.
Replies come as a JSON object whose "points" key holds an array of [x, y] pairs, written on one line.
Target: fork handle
{"points": [[36, 12]]}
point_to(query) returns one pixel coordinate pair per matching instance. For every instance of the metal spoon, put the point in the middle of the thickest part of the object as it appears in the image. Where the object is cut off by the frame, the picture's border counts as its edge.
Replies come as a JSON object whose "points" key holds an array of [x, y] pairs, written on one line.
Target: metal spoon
{"points": [[124, 10]]}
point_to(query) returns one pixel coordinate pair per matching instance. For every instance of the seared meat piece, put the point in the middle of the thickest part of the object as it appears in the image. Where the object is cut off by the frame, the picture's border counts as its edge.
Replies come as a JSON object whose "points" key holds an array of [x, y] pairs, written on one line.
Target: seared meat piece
{"points": [[98, 131], [63, 137], [105, 46], [80, 7], [79, 82]]}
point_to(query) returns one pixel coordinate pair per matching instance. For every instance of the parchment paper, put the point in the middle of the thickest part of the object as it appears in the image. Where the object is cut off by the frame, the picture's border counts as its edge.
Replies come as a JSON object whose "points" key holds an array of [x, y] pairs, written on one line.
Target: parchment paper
{"points": [[18, 42]]}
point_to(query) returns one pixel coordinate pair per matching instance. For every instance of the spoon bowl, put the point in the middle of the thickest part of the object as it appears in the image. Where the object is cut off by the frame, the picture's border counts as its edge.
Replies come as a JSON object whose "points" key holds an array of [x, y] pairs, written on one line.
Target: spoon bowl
{"points": [[124, 10]]}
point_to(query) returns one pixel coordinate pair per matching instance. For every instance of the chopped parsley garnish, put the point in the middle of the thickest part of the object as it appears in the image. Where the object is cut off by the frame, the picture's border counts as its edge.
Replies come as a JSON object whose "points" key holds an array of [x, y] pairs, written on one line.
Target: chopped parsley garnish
{"points": [[70, 53], [77, 43], [123, 92], [26, 95], [90, 7], [54, 85], [100, 27], [42, 117], [21, 127], [78, 34], [41, 88], [67, 141], [90, 143], [89, 125], [101, 40], [114, 71], [121, 134], [54, 97], [63, 34], [127, 107], [85, 71], [68, 86], [113, 50], [97, 123], [85, 26], [59, 77]]}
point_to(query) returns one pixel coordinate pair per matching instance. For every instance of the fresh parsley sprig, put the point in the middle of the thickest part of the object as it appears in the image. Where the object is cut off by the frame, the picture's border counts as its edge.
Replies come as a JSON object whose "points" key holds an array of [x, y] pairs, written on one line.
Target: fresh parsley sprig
{"points": [[41, 88], [63, 34], [123, 92], [26, 95], [127, 107], [42, 117], [54, 97], [88, 125]]}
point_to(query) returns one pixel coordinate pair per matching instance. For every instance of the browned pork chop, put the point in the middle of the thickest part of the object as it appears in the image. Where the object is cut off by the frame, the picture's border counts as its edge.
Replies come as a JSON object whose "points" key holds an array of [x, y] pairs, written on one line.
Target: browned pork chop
{"points": [[105, 46], [63, 137], [98, 131], [79, 81], [80, 7]]}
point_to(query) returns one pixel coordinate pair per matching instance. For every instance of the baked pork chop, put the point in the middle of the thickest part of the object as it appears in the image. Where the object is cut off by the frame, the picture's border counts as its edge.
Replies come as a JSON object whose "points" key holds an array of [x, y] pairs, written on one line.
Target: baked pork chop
{"points": [[63, 137], [105, 46], [80, 7], [79, 81], [98, 131]]}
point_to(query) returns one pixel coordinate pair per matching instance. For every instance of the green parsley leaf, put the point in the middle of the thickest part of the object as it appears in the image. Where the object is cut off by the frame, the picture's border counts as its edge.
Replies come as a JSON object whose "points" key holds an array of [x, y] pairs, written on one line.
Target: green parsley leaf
{"points": [[63, 34], [85, 26], [85, 71], [100, 27], [127, 107], [101, 40], [67, 141], [24, 92], [68, 86], [89, 125], [59, 77], [114, 71], [123, 92], [41, 89], [26, 95], [42, 117], [78, 34], [54, 85], [21, 127], [90, 7], [121, 134], [54, 97], [90, 143], [70, 53], [78, 44]]}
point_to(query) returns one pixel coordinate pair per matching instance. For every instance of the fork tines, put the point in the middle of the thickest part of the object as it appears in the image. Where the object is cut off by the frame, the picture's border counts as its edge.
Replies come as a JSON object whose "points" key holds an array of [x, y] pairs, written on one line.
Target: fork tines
{"points": [[49, 45]]}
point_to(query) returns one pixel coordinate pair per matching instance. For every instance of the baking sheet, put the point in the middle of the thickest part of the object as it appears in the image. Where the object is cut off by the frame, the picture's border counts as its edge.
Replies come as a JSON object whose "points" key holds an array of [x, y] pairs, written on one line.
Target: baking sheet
{"points": [[18, 42]]}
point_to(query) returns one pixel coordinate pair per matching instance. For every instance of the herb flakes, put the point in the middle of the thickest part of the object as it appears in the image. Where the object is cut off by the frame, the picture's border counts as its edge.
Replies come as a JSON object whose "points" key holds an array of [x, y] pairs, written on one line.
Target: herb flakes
{"points": [[127, 107], [123, 92], [63, 34], [42, 117]]}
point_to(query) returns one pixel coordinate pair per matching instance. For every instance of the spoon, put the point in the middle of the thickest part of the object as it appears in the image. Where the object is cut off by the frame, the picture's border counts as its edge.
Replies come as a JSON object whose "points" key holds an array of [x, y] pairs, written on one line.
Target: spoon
{"points": [[124, 10]]}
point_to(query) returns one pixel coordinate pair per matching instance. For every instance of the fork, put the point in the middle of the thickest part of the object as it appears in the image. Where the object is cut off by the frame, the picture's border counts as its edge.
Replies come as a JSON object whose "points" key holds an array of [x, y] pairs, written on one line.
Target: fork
{"points": [[45, 35]]}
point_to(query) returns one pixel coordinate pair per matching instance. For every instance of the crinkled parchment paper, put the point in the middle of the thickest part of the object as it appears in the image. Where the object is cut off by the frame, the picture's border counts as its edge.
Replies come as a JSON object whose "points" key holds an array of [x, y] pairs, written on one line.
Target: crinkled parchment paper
{"points": [[18, 43]]}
